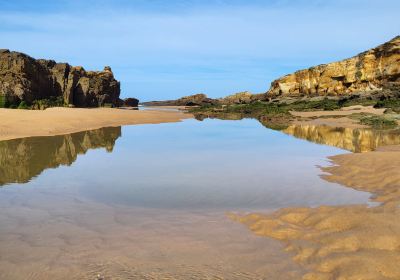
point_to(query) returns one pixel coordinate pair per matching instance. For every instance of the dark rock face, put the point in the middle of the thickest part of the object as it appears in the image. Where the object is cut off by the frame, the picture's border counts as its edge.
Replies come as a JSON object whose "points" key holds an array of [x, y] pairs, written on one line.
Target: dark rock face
{"points": [[23, 78], [131, 102]]}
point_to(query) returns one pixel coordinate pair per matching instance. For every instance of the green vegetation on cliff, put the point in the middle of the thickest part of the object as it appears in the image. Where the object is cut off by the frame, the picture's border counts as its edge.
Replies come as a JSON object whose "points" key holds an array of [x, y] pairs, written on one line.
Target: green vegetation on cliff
{"points": [[278, 113], [392, 104], [3, 102]]}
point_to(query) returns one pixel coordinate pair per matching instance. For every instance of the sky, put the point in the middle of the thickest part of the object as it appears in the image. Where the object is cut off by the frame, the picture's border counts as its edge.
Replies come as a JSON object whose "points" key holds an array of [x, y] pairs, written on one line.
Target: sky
{"points": [[167, 49]]}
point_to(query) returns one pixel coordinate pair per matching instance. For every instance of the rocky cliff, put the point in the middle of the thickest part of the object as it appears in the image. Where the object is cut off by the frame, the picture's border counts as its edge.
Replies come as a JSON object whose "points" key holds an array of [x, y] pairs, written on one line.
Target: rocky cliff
{"points": [[23, 78], [377, 68]]}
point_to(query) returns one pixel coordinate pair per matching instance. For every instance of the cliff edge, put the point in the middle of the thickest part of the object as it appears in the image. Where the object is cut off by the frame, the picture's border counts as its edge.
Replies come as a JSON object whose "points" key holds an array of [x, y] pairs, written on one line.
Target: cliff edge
{"points": [[375, 69], [23, 78]]}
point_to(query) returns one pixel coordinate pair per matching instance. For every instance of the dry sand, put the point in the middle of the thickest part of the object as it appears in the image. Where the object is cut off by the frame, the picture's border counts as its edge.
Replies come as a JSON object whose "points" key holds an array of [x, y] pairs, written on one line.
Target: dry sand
{"points": [[336, 118], [345, 242], [345, 111], [57, 121]]}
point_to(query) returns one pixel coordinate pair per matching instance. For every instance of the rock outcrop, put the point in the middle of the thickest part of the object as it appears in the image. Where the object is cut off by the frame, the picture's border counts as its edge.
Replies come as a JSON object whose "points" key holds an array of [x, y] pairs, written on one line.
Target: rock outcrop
{"points": [[23, 78], [201, 99], [191, 100], [244, 97], [130, 102], [375, 69]]}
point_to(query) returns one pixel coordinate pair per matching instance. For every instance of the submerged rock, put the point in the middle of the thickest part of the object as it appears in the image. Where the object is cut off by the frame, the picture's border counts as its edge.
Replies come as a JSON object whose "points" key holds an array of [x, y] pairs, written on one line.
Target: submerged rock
{"points": [[23, 78]]}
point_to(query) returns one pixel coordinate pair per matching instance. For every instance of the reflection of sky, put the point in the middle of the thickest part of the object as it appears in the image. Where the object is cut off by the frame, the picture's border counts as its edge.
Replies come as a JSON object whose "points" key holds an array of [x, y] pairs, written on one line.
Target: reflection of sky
{"points": [[212, 164], [167, 49]]}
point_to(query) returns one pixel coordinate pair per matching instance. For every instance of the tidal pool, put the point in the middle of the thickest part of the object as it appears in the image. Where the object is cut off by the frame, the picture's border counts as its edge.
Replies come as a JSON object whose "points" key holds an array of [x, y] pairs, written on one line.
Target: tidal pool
{"points": [[149, 201]]}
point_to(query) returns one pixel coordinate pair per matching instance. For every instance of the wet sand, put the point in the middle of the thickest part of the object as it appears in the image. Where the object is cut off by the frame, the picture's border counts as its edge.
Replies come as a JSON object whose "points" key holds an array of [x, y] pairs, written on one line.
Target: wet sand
{"points": [[345, 242], [46, 236], [58, 121]]}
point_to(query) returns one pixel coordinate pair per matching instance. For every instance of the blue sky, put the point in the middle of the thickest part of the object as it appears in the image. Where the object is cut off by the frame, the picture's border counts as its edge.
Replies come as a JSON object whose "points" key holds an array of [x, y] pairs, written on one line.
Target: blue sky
{"points": [[167, 49]]}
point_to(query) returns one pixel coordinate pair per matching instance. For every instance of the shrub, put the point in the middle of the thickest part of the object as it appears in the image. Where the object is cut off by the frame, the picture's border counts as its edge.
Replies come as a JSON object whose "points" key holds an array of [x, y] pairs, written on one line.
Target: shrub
{"points": [[378, 122], [393, 104], [23, 105], [3, 101], [42, 104]]}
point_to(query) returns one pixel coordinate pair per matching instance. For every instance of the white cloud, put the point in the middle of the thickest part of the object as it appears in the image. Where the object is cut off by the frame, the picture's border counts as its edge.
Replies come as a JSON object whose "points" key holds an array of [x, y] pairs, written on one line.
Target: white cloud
{"points": [[207, 43]]}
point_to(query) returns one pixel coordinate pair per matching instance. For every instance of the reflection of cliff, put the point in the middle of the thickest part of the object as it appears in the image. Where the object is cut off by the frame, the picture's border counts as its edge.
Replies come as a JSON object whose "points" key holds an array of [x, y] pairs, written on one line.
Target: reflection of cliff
{"points": [[357, 140], [22, 159]]}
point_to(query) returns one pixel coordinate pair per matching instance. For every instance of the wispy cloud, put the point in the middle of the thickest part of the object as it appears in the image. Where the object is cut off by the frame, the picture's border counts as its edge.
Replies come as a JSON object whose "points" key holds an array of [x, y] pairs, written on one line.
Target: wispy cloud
{"points": [[166, 50]]}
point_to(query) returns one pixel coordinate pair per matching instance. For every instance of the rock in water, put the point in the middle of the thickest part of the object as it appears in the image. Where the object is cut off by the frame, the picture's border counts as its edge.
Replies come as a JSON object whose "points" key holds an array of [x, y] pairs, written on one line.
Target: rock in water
{"points": [[23, 78], [377, 68]]}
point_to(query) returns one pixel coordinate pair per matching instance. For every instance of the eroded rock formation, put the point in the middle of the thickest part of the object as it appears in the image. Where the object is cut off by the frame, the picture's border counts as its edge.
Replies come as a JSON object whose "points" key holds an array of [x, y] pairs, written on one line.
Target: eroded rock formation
{"points": [[23, 78], [377, 68]]}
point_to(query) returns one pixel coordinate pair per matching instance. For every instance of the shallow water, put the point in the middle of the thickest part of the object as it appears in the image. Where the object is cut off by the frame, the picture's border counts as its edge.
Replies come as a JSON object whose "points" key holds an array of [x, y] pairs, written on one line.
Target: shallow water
{"points": [[149, 201], [228, 165]]}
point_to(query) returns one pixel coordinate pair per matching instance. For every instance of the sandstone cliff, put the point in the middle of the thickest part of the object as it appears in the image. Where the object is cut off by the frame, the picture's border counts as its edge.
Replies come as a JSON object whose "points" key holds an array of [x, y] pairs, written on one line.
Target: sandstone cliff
{"points": [[377, 68], [23, 78]]}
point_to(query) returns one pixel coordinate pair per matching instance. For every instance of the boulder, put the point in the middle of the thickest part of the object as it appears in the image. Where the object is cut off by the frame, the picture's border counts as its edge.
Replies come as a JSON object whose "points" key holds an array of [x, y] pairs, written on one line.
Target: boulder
{"points": [[131, 102]]}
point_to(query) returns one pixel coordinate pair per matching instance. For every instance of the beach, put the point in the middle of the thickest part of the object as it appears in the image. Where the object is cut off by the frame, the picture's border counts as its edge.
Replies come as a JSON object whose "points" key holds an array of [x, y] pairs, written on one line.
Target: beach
{"points": [[345, 242], [58, 121]]}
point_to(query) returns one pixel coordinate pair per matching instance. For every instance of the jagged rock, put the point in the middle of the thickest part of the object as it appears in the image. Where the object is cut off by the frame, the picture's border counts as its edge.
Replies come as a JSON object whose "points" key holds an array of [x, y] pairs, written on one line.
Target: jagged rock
{"points": [[23, 78], [375, 69]]}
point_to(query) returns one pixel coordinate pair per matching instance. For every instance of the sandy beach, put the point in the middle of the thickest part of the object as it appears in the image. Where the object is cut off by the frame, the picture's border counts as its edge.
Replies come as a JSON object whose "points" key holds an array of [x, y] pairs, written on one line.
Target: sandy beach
{"points": [[345, 111], [345, 242], [58, 121]]}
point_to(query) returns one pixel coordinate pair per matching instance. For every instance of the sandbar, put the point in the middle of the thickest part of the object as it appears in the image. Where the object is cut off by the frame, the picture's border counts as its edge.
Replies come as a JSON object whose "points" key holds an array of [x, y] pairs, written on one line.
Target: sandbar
{"points": [[57, 121]]}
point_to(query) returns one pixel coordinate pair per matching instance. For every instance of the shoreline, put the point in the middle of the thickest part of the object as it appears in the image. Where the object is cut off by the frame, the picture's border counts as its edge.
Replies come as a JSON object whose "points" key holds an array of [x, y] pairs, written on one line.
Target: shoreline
{"points": [[351, 241], [59, 121]]}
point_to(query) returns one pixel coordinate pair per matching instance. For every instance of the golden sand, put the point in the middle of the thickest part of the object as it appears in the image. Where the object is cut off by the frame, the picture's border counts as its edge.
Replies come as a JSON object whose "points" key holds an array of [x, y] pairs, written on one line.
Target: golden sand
{"points": [[345, 242], [345, 111], [58, 121]]}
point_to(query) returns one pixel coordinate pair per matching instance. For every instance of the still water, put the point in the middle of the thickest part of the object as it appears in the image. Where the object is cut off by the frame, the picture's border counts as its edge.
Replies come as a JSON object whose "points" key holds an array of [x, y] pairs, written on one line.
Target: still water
{"points": [[213, 164], [150, 201]]}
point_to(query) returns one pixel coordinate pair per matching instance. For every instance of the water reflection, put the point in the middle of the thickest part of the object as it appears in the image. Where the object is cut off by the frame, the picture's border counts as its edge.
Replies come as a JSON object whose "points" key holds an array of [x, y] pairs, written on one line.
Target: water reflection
{"points": [[357, 140], [22, 159]]}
